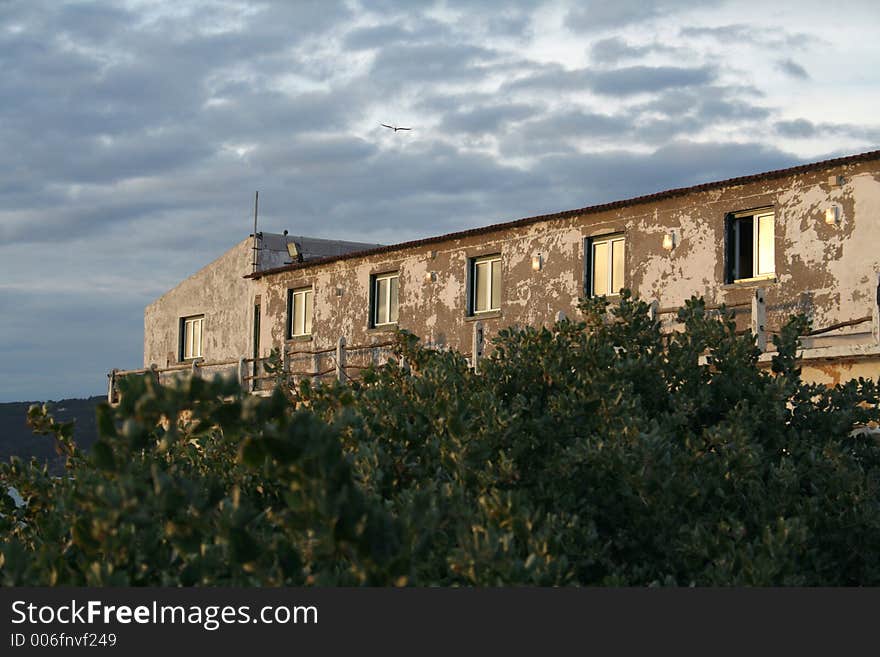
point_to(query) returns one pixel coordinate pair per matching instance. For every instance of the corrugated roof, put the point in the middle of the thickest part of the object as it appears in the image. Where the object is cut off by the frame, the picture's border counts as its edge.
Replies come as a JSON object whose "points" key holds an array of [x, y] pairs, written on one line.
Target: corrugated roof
{"points": [[593, 209], [273, 253]]}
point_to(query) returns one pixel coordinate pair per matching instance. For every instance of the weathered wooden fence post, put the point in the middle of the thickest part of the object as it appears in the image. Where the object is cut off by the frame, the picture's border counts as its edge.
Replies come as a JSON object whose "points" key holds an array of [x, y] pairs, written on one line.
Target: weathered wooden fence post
{"points": [[242, 373], [875, 323], [111, 386], [340, 359], [477, 346], [759, 319]]}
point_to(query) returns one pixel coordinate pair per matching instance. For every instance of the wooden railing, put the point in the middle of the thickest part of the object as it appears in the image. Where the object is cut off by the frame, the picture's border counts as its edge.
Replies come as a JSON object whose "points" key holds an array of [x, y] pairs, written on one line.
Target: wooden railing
{"points": [[757, 309], [344, 361]]}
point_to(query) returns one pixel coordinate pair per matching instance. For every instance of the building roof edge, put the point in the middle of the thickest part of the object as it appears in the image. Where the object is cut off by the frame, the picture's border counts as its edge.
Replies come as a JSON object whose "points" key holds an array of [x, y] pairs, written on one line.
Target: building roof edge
{"points": [[593, 209]]}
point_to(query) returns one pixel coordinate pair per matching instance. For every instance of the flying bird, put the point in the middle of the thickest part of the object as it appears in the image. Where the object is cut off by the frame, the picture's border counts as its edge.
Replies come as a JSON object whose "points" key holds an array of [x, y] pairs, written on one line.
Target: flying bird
{"points": [[393, 127]]}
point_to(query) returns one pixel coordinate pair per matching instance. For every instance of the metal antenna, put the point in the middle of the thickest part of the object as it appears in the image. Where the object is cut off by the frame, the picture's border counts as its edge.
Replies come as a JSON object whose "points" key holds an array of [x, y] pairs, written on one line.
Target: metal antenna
{"points": [[256, 248]]}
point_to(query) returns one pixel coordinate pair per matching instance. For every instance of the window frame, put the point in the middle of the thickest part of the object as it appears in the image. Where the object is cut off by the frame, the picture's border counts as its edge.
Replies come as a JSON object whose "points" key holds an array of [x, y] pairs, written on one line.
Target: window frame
{"points": [[307, 292], [473, 268], [732, 273], [188, 354], [589, 258], [375, 280]]}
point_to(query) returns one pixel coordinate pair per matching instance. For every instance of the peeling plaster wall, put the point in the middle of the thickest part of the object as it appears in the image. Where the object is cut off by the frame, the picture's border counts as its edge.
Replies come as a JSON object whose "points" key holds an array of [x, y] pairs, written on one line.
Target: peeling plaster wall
{"points": [[218, 291], [825, 270]]}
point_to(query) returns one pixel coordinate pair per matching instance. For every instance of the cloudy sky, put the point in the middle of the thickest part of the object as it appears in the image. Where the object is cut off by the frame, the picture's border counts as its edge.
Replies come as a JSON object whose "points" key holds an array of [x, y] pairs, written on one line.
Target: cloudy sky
{"points": [[133, 134]]}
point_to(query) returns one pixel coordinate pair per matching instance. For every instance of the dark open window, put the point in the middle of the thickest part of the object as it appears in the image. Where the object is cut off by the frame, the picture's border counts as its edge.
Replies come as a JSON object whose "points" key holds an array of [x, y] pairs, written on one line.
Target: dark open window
{"points": [[751, 251], [299, 312], [191, 337], [384, 297], [605, 265], [485, 284]]}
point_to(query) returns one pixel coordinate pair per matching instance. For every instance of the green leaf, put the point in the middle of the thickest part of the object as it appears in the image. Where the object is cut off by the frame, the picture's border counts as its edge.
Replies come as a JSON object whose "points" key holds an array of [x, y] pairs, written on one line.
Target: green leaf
{"points": [[102, 453]]}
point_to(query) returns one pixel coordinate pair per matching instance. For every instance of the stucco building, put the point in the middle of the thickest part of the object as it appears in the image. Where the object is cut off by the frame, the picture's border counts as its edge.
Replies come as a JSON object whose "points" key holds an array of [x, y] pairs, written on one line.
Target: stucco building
{"points": [[805, 239]]}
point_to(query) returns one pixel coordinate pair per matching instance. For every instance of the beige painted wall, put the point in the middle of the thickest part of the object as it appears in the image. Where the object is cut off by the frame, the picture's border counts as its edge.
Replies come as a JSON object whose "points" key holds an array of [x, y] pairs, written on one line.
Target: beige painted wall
{"points": [[827, 271], [220, 292]]}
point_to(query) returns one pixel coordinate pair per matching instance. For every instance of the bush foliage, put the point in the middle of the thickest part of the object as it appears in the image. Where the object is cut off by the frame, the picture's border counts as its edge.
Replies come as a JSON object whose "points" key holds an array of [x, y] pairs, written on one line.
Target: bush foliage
{"points": [[599, 452]]}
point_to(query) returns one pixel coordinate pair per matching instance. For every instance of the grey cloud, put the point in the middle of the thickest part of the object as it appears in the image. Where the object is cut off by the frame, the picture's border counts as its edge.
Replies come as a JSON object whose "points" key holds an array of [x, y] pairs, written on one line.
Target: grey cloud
{"points": [[792, 68], [254, 115], [710, 103], [375, 37], [762, 35], [625, 81], [81, 221], [517, 24], [641, 79], [486, 119], [731, 109], [615, 49], [402, 65], [804, 129], [313, 153], [563, 132], [552, 78], [597, 15], [392, 7], [440, 103], [672, 115], [380, 36], [613, 175], [576, 123], [796, 128], [727, 33]]}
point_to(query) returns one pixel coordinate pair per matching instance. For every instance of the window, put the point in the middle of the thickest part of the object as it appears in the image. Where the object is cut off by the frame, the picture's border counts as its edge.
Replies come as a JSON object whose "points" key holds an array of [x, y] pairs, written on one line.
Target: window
{"points": [[750, 245], [485, 284], [299, 312], [191, 337], [606, 257], [384, 299]]}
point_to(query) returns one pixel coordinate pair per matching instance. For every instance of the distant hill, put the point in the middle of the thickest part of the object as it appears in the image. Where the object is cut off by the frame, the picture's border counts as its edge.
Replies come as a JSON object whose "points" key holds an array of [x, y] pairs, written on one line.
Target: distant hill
{"points": [[17, 439]]}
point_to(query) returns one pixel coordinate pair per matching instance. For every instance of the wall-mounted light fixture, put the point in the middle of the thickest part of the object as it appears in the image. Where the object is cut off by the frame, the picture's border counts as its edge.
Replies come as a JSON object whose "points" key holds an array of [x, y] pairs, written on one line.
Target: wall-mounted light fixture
{"points": [[537, 262], [832, 215], [294, 252], [669, 240], [430, 276], [339, 291]]}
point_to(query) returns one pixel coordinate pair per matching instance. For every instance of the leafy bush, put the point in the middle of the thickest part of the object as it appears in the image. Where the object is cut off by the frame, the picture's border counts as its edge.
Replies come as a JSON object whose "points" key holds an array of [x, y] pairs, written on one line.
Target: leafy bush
{"points": [[600, 452]]}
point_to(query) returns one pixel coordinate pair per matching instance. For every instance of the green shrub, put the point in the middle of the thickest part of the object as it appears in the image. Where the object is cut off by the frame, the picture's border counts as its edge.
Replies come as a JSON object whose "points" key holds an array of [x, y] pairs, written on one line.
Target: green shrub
{"points": [[600, 452]]}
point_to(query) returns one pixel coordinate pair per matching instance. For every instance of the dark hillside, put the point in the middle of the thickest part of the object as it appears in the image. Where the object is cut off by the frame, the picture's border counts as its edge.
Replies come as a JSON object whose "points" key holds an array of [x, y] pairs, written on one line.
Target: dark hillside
{"points": [[16, 438]]}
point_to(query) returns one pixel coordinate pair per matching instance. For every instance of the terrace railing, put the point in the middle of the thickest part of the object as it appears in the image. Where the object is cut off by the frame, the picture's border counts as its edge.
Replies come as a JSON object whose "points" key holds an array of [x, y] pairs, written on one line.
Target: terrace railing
{"points": [[345, 362]]}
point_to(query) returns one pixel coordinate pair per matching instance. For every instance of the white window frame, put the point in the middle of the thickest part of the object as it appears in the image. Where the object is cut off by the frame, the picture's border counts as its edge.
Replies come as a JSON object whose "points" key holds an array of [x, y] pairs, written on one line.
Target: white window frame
{"points": [[305, 296], [375, 311], [758, 273], [611, 240], [192, 337], [492, 261]]}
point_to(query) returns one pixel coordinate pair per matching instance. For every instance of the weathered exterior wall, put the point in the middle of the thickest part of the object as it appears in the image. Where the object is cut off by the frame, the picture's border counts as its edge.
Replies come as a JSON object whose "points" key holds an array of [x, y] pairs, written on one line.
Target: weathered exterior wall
{"points": [[827, 271], [220, 292]]}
